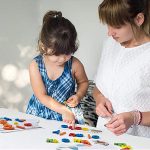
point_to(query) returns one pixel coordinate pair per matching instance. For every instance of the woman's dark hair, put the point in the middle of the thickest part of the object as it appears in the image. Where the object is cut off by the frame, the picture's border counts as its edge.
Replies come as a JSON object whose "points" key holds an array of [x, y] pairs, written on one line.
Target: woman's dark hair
{"points": [[118, 12], [58, 35]]}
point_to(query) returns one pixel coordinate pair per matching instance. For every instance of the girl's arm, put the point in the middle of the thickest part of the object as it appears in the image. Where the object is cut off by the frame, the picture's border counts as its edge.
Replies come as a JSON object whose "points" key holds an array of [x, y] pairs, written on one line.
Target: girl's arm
{"points": [[80, 77], [40, 91]]}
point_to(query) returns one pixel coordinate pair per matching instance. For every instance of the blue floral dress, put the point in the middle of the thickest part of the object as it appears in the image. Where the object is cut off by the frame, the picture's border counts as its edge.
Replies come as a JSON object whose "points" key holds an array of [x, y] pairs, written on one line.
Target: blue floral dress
{"points": [[60, 89]]}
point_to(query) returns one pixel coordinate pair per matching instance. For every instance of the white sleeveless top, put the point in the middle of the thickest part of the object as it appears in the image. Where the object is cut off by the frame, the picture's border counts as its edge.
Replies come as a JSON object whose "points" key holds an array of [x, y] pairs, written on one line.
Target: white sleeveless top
{"points": [[123, 77]]}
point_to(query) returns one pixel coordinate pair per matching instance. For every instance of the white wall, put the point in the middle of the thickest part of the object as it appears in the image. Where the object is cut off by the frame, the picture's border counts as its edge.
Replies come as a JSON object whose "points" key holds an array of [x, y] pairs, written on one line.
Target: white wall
{"points": [[18, 36], [19, 29], [84, 15]]}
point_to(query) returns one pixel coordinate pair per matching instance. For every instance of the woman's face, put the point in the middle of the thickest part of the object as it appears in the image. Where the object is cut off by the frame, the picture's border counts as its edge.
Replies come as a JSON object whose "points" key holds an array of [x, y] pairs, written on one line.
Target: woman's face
{"points": [[122, 34]]}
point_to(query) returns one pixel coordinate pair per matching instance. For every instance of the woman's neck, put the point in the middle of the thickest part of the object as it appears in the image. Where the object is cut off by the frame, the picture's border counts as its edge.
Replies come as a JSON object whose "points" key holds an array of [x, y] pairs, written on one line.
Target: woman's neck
{"points": [[136, 41]]}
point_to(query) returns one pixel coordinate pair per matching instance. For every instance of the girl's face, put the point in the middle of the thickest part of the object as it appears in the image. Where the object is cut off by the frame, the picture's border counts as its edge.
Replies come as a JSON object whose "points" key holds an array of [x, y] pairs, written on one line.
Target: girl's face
{"points": [[59, 60], [123, 34]]}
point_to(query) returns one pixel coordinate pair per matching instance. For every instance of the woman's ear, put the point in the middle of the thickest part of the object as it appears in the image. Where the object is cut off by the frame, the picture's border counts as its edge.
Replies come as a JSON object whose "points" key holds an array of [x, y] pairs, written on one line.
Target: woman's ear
{"points": [[139, 19]]}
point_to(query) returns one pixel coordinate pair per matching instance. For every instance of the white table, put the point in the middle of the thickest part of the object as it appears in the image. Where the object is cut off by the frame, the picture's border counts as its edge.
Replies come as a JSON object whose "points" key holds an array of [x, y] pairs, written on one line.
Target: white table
{"points": [[36, 138]]}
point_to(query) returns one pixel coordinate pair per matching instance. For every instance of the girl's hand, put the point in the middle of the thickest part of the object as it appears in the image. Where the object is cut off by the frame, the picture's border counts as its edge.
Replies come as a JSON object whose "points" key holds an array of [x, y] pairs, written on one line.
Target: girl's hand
{"points": [[73, 101], [104, 108], [120, 123], [69, 117]]}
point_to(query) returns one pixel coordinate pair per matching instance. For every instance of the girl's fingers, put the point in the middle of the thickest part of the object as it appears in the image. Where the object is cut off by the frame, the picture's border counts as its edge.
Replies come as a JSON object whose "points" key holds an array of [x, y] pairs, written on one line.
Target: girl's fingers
{"points": [[65, 120], [71, 105], [73, 124], [69, 121], [69, 100]]}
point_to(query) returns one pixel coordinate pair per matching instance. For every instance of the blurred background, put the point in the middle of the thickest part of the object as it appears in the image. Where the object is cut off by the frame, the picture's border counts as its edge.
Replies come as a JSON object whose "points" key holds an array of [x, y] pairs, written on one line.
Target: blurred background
{"points": [[20, 24]]}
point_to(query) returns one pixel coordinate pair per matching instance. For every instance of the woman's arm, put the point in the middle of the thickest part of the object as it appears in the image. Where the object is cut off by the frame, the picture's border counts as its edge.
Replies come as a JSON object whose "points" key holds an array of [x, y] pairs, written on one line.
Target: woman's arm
{"points": [[103, 105], [120, 123], [145, 119], [98, 96]]}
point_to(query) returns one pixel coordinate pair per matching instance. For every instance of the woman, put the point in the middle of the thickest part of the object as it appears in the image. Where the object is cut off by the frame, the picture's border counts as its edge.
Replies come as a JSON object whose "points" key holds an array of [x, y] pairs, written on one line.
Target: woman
{"points": [[122, 90]]}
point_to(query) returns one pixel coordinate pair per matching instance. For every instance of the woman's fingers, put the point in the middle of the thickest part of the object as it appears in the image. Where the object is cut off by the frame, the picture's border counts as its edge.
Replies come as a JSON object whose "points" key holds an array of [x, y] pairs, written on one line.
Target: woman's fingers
{"points": [[106, 112], [103, 112], [109, 107], [113, 121], [104, 109], [120, 132], [116, 125]]}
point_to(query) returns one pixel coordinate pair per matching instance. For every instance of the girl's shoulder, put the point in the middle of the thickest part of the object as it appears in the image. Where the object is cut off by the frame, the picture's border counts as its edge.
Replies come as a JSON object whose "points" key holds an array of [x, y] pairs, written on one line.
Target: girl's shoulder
{"points": [[38, 58], [76, 64], [75, 61], [33, 66], [37, 62]]}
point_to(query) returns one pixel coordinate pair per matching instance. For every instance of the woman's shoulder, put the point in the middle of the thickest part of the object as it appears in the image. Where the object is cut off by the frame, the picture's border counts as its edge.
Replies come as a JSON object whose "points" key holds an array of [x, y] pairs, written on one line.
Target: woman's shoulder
{"points": [[145, 46]]}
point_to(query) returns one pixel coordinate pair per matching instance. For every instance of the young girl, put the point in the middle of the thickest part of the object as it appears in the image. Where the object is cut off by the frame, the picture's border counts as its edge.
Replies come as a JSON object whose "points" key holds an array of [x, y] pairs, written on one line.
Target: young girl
{"points": [[122, 90], [54, 72]]}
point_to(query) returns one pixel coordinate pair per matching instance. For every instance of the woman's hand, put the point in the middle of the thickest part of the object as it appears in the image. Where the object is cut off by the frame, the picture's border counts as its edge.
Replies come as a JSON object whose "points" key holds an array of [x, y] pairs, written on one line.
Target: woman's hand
{"points": [[103, 105], [120, 123], [73, 101], [104, 108], [69, 117]]}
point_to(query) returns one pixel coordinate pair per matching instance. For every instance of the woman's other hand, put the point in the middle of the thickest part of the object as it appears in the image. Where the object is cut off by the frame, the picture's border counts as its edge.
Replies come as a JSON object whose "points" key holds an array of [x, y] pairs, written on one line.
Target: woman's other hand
{"points": [[120, 123], [104, 108], [103, 105]]}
